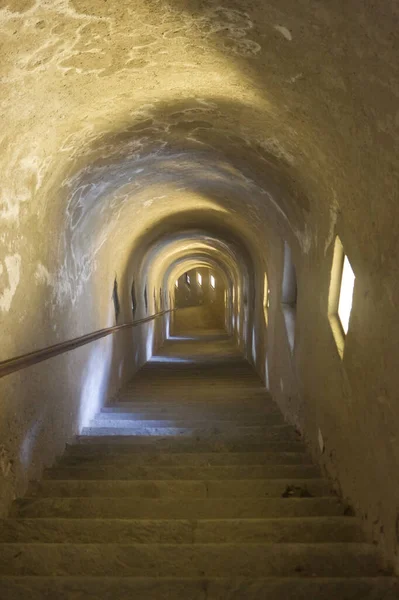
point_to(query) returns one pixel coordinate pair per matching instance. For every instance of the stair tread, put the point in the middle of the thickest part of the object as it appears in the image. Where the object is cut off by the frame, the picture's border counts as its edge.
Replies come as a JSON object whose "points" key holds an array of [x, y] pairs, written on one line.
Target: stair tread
{"points": [[132, 444], [257, 559], [184, 459], [148, 588], [139, 472], [236, 488], [304, 529], [110, 506]]}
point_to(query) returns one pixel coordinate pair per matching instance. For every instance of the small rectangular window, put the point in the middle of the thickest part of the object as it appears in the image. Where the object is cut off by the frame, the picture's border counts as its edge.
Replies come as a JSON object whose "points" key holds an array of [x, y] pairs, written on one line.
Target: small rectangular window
{"points": [[177, 283], [266, 294], [188, 280], [289, 296], [199, 278], [340, 299], [346, 294], [213, 282]]}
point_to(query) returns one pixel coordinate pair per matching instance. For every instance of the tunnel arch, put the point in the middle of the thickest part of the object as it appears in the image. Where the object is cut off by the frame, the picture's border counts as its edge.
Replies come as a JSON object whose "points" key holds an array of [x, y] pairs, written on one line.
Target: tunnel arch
{"points": [[114, 135]]}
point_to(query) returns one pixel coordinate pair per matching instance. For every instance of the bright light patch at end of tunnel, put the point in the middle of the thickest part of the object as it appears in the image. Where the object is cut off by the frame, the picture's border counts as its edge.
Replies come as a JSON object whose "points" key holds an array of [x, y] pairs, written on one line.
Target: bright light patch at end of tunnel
{"points": [[346, 294], [213, 282], [199, 278]]}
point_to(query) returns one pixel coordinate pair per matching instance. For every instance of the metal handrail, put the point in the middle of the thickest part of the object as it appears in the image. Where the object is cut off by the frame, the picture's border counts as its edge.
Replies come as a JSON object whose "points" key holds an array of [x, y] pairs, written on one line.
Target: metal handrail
{"points": [[17, 363]]}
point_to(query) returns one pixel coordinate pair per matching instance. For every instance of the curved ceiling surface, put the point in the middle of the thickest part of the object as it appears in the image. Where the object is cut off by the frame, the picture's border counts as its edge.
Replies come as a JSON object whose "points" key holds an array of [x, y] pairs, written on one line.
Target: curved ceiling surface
{"points": [[118, 118]]}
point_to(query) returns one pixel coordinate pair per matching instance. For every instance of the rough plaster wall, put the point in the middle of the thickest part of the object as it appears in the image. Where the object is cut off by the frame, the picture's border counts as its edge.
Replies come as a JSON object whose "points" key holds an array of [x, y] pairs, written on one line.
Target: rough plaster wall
{"points": [[194, 294], [343, 408], [44, 406]]}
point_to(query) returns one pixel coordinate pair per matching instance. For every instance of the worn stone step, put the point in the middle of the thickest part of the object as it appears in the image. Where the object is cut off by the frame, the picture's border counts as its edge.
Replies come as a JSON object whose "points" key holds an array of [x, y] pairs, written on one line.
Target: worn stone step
{"points": [[120, 444], [197, 414], [126, 420], [158, 489], [181, 459], [239, 434], [259, 405], [183, 428], [172, 388], [168, 508], [127, 531], [210, 396], [151, 588], [240, 408], [127, 471], [191, 560]]}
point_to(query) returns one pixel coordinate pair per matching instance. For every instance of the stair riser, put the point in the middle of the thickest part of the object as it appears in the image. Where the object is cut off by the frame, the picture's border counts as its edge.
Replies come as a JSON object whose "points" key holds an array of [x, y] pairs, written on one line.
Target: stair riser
{"points": [[190, 508], [241, 435], [242, 409], [89, 446], [300, 530], [185, 459], [257, 560], [185, 427], [189, 422], [160, 489], [99, 588], [200, 473]]}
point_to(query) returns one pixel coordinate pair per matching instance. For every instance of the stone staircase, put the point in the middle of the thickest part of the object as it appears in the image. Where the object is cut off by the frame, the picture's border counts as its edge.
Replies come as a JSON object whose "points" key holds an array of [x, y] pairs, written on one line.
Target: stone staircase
{"points": [[189, 487]]}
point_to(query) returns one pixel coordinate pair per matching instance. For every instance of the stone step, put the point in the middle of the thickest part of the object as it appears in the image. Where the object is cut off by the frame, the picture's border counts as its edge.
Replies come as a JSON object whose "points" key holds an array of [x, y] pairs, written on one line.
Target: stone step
{"points": [[175, 388], [206, 395], [251, 407], [220, 429], [151, 588], [194, 488], [198, 413], [187, 384], [239, 434], [128, 420], [190, 560], [127, 471], [169, 459], [213, 401], [87, 445], [128, 531], [170, 508], [240, 408]]}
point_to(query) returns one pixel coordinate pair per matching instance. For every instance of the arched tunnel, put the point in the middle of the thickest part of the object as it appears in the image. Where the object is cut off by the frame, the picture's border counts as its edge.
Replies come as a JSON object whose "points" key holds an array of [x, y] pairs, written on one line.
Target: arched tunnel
{"points": [[185, 168]]}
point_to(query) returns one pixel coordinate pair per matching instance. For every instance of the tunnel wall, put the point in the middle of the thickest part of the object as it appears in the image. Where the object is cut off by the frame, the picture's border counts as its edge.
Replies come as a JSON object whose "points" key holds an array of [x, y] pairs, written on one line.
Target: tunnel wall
{"points": [[343, 407], [278, 119], [200, 307], [44, 406], [194, 294]]}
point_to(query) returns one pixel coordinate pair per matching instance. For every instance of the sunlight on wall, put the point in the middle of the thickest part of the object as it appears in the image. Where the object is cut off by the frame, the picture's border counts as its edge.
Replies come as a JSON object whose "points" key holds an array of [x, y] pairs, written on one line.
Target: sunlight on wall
{"points": [[150, 340], [28, 445], [253, 345], [346, 294], [267, 383], [94, 387], [266, 299], [167, 326]]}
